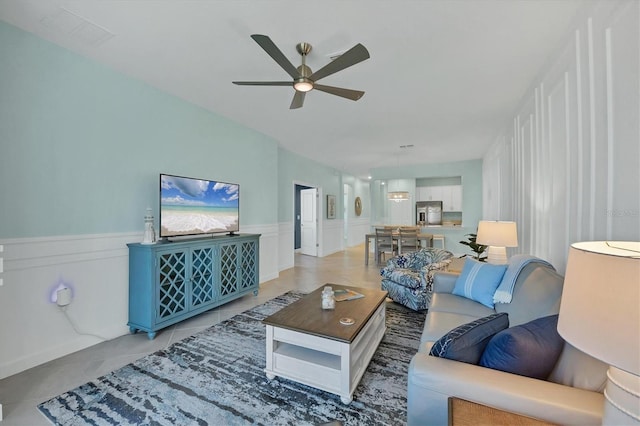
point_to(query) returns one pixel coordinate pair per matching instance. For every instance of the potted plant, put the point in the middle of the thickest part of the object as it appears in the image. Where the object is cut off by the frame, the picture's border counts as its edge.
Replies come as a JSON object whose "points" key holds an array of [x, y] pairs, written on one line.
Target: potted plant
{"points": [[478, 249]]}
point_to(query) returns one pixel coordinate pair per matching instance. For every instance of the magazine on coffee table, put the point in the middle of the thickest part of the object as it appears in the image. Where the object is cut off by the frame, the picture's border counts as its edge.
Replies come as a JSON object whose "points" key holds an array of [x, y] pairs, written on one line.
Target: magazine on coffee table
{"points": [[344, 294]]}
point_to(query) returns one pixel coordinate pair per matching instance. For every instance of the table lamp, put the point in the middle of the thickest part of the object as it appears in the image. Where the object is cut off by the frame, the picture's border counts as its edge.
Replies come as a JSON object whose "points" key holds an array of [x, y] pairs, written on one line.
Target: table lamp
{"points": [[497, 235], [599, 314]]}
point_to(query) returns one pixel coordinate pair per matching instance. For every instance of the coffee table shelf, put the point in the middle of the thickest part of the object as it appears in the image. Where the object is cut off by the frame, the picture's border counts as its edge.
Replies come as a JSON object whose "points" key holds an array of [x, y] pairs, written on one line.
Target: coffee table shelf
{"points": [[331, 361], [287, 351]]}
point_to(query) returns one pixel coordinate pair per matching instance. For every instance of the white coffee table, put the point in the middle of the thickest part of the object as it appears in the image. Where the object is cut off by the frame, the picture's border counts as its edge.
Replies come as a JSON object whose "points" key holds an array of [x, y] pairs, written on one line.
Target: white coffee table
{"points": [[309, 345]]}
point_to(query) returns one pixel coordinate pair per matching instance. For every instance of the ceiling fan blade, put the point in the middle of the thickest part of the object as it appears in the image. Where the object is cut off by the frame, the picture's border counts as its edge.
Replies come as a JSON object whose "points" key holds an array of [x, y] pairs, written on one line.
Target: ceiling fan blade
{"points": [[298, 100], [263, 83], [277, 55], [354, 95], [356, 54]]}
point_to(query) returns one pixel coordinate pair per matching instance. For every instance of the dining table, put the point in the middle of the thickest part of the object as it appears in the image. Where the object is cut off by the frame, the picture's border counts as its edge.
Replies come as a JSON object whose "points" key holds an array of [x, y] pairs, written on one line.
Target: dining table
{"points": [[428, 238]]}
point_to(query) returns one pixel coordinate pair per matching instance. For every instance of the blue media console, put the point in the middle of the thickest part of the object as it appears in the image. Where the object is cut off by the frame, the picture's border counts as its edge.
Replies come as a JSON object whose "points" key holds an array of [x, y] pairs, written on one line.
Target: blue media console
{"points": [[172, 281]]}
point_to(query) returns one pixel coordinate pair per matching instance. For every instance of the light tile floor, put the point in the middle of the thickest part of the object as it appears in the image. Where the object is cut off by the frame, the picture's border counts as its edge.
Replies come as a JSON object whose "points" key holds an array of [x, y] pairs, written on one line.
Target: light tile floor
{"points": [[21, 393]]}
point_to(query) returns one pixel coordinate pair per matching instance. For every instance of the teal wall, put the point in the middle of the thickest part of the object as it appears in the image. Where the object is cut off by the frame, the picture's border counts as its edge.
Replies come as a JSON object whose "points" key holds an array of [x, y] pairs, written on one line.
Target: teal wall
{"points": [[471, 173], [360, 189], [292, 169], [82, 146]]}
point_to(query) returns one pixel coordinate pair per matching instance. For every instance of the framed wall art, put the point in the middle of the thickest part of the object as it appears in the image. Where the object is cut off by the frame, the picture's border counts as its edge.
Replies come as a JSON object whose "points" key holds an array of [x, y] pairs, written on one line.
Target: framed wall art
{"points": [[331, 206]]}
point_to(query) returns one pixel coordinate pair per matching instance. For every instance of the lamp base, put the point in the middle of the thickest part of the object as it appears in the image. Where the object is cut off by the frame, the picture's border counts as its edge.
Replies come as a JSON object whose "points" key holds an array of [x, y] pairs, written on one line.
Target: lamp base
{"points": [[497, 255], [622, 398]]}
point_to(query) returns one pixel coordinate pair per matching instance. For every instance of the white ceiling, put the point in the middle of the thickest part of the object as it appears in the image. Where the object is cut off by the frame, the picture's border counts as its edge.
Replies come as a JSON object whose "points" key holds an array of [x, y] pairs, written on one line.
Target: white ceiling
{"points": [[444, 75]]}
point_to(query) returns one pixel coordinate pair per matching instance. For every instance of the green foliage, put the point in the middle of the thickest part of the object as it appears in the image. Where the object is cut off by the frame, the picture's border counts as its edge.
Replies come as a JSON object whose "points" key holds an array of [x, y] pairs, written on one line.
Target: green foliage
{"points": [[478, 249]]}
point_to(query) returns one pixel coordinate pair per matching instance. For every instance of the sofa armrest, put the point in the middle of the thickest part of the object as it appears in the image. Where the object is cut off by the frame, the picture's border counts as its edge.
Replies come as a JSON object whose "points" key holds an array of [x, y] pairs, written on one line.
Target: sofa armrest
{"points": [[443, 282], [433, 380]]}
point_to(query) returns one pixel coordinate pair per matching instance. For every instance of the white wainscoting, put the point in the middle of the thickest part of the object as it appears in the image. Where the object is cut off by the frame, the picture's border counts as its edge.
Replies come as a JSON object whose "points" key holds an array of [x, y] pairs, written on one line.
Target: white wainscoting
{"points": [[358, 228], [286, 239], [332, 237], [567, 169], [34, 330]]}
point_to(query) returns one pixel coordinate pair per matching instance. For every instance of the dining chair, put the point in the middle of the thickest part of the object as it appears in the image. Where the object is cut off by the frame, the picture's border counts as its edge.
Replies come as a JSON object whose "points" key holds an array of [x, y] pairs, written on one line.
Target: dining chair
{"points": [[385, 243], [408, 240]]}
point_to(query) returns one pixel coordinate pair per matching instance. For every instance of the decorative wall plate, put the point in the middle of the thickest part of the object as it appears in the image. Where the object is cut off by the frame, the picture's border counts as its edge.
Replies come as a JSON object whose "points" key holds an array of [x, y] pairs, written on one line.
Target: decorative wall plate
{"points": [[358, 206]]}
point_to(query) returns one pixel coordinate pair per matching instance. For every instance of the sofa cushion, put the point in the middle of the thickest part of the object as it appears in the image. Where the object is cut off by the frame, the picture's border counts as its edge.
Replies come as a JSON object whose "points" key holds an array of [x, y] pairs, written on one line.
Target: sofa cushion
{"points": [[438, 324], [537, 294], [447, 302], [479, 281], [467, 342], [530, 349], [579, 370]]}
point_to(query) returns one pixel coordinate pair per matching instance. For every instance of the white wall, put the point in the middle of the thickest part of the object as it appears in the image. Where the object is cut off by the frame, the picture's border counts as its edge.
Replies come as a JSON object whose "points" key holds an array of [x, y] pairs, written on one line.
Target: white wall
{"points": [[567, 169], [34, 267]]}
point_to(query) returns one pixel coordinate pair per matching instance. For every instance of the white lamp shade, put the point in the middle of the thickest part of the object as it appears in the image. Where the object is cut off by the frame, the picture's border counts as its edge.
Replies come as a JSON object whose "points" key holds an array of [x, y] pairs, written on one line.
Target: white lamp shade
{"points": [[497, 233], [599, 312]]}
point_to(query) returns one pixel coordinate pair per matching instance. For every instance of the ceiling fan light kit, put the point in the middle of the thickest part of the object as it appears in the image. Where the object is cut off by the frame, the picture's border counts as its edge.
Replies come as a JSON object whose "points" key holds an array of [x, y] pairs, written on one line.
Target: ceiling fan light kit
{"points": [[303, 85], [304, 80]]}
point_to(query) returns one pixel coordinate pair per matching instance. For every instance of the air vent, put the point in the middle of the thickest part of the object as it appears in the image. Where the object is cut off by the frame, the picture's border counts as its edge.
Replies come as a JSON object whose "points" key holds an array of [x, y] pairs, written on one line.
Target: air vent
{"points": [[76, 26], [407, 146]]}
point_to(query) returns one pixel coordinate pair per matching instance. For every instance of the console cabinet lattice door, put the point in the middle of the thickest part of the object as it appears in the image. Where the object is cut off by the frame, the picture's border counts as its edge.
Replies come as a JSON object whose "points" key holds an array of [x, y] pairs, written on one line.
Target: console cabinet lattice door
{"points": [[172, 284], [248, 258], [229, 271], [202, 285], [172, 281]]}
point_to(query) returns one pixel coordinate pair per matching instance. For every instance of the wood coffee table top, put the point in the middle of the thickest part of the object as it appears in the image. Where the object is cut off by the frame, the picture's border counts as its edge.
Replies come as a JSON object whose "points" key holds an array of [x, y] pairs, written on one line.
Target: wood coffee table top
{"points": [[306, 315]]}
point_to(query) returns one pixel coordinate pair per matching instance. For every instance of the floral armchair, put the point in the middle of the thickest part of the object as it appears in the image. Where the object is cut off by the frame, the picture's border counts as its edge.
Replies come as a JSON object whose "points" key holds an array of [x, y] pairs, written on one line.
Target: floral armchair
{"points": [[408, 278]]}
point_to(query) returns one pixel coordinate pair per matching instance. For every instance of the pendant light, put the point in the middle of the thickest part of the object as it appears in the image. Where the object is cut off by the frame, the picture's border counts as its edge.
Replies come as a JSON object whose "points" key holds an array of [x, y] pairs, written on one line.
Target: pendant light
{"points": [[398, 196]]}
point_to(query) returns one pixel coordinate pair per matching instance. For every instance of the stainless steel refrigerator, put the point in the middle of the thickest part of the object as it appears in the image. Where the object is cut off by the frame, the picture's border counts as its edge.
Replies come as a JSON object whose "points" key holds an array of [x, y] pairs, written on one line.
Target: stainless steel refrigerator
{"points": [[428, 213]]}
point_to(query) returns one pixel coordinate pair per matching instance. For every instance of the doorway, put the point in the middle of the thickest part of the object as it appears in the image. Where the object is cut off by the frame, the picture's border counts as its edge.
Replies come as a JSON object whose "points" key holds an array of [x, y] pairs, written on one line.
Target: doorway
{"points": [[306, 220]]}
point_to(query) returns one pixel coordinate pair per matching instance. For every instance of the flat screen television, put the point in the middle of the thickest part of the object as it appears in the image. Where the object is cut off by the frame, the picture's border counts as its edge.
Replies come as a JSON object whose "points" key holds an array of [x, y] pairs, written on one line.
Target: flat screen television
{"points": [[190, 206]]}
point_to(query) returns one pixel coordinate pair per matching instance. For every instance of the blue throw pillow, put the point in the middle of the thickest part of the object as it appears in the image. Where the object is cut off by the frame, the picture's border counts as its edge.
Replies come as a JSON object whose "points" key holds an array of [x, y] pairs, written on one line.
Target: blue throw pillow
{"points": [[479, 281], [530, 349], [467, 342]]}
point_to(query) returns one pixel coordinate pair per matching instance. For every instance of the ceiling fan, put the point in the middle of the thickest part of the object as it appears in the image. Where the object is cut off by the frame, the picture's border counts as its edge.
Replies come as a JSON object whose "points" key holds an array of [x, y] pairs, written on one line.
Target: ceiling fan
{"points": [[304, 79]]}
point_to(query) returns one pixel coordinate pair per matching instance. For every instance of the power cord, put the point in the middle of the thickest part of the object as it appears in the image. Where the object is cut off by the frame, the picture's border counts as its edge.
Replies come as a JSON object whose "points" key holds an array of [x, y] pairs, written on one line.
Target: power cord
{"points": [[66, 314]]}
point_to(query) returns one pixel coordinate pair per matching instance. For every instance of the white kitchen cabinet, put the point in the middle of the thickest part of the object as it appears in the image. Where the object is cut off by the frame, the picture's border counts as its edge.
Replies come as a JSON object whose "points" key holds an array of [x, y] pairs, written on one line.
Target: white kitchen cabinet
{"points": [[429, 193], [422, 193], [454, 200], [450, 195]]}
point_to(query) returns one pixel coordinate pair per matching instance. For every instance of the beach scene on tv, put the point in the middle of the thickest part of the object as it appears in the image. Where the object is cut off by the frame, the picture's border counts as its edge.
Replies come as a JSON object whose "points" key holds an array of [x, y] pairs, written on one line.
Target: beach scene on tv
{"points": [[192, 206]]}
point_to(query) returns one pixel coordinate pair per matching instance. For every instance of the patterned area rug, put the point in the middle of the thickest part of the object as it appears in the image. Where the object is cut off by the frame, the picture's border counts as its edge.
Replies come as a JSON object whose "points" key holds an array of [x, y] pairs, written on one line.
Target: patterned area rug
{"points": [[216, 377]]}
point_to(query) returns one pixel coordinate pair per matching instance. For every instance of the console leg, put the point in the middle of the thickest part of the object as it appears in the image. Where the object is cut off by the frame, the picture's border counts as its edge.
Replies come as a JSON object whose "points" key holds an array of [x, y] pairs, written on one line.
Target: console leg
{"points": [[151, 335], [271, 376]]}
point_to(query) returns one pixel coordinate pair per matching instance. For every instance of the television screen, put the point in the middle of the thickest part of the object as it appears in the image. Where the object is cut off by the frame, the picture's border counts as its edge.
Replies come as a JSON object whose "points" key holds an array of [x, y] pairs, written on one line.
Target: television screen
{"points": [[191, 206]]}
